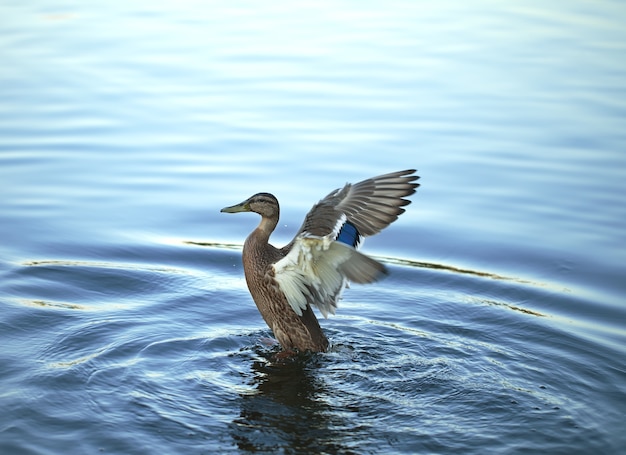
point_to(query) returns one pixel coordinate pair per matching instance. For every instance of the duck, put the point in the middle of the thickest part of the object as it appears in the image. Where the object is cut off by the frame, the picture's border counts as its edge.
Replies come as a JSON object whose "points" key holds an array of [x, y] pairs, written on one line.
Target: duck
{"points": [[314, 268]]}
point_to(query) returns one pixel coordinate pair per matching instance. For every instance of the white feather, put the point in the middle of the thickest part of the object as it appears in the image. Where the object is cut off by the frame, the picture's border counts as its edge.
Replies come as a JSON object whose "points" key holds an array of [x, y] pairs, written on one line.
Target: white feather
{"points": [[317, 269], [310, 273], [340, 222]]}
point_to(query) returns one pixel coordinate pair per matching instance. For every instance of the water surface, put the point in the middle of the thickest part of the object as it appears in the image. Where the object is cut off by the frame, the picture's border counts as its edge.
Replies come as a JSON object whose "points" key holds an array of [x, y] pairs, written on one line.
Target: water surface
{"points": [[126, 325]]}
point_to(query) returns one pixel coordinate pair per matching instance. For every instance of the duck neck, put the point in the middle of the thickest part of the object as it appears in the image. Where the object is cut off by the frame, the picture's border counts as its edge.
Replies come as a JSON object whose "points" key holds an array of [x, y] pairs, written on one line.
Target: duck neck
{"points": [[266, 227], [258, 249], [259, 238]]}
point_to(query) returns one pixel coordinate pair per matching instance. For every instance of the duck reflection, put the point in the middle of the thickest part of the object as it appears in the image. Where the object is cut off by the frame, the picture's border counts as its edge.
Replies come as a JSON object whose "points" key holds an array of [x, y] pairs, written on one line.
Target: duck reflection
{"points": [[288, 411]]}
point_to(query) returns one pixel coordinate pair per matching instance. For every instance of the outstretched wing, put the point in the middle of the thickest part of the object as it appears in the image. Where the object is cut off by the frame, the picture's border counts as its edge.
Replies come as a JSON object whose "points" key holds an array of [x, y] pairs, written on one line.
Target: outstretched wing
{"points": [[368, 207], [323, 255], [316, 269]]}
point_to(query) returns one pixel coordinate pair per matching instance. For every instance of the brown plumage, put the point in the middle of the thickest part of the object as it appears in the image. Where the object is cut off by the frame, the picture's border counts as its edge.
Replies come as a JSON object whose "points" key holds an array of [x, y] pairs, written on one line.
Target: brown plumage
{"points": [[315, 266]]}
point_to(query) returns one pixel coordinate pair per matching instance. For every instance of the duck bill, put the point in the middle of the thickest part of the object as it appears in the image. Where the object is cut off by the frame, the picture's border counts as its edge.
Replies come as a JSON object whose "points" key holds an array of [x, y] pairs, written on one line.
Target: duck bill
{"points": [[241, 207]]}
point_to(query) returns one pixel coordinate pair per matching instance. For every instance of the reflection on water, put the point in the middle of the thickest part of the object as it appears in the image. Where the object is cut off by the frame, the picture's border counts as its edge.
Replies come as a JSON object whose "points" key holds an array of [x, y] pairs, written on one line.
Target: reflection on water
{"points": [[53, 305], [449, 268], [513, 307], [284, 410]]}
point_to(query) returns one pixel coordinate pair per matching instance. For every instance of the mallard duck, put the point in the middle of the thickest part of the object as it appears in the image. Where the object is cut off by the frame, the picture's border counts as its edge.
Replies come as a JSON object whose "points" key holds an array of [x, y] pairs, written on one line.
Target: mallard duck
{"points": [[315, 267]]}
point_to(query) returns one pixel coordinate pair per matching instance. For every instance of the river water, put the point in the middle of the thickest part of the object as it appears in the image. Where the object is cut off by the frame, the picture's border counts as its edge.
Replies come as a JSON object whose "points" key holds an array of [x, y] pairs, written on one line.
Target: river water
{"points": [[125, 323]]}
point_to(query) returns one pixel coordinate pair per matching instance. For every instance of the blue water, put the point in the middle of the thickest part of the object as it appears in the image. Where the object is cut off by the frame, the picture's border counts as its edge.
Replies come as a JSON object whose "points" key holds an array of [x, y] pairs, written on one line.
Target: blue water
{"points": [[125, 323]]}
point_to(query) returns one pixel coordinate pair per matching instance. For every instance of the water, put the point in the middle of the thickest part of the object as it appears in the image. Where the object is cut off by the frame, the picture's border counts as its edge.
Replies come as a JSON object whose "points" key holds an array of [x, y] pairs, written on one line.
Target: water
{"points": [[126, 326]]}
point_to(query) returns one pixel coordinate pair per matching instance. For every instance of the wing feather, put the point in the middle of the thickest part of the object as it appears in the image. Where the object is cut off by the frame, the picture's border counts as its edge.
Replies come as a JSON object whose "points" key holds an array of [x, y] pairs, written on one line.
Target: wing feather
{"points": [[315, 268], [370, 205], [316, 271]]}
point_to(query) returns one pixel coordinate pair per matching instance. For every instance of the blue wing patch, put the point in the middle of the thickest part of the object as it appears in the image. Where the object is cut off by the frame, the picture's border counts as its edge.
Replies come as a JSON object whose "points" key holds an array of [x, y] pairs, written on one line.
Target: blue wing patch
{"points": [[349, 235]]}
